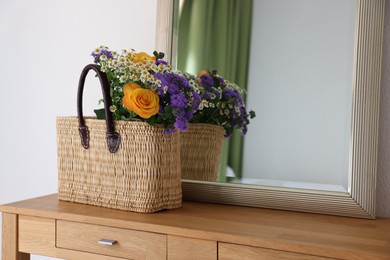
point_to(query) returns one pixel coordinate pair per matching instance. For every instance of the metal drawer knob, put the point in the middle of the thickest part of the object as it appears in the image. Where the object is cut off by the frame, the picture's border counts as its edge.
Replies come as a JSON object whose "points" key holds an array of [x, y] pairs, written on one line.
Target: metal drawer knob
{"points": [[107, 242]]}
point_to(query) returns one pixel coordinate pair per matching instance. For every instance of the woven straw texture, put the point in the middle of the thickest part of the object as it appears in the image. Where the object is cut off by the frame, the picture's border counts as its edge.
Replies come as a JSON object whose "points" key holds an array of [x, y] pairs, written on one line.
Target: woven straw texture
{"points": [[142, 176], [201, 148]]}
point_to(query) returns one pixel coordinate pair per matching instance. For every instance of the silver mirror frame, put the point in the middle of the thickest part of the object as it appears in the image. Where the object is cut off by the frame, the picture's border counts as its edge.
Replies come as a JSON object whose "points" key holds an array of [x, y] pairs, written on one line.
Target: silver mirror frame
{"points": [[359, 201]]}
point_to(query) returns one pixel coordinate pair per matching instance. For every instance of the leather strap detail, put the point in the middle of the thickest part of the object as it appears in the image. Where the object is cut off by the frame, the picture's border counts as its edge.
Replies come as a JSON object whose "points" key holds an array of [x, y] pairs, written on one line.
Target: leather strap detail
{"points": [[113, 141], [113, 138], [84, 135]]}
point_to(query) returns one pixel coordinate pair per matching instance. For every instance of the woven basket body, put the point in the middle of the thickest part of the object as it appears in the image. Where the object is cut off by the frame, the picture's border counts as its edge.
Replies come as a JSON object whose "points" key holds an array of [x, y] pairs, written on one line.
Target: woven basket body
{"points": [[142, 176], [201, 148]]}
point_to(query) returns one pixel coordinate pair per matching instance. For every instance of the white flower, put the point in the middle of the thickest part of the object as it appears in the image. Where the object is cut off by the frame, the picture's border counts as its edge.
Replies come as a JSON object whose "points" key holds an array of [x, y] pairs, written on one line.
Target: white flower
{"points": [[103, 57], [122, 79], [113, 108]]}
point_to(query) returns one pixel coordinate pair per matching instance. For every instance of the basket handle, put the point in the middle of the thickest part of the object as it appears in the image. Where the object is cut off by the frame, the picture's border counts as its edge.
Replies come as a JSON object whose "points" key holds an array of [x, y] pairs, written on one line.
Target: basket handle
{"points": [[113, 138]]}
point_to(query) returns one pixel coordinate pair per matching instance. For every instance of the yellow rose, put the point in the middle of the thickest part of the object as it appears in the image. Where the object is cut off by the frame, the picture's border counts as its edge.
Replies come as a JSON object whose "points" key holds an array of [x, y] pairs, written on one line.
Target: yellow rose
{"points": [[202, 72], [143, 102], [140, 56]]}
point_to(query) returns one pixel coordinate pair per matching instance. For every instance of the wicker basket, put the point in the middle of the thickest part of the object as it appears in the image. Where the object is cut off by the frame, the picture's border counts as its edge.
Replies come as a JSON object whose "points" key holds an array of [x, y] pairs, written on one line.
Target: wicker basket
{"points": [[201, 148], [123, 165]]}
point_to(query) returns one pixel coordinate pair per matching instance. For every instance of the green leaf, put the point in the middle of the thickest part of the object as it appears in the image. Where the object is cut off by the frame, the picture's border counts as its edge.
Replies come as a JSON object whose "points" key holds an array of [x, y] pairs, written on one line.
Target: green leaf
{"points": [[151, 120], [100, 113]]}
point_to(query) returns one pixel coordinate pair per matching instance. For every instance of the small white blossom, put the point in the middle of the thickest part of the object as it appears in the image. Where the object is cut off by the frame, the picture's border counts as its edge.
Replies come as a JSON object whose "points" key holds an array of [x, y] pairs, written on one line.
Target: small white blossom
{"points": [[113, 108], [122, 79]]}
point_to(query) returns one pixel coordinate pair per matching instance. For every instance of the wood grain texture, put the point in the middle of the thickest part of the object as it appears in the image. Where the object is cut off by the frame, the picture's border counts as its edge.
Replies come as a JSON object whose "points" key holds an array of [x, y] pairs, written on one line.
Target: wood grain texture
{"points": [[129, 243], [10, 249], [312, 234], [240, 252], [36, 235], [191, 249]]}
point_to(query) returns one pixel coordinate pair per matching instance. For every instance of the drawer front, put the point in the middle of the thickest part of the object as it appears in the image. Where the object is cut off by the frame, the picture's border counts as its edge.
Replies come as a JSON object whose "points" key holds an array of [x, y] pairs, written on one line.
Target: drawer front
{"points": [[238, 252], [180, 248], [130, 244]]}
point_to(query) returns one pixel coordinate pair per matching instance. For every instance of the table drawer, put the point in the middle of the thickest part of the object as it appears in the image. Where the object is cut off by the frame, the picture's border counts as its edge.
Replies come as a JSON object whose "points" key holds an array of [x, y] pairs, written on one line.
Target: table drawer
{"points": [[130, 244], [239, 252]]}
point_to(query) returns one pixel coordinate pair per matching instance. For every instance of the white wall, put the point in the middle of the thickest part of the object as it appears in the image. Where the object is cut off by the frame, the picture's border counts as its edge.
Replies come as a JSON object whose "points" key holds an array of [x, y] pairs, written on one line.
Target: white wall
{"points": [[44, 45], [300, 85]]}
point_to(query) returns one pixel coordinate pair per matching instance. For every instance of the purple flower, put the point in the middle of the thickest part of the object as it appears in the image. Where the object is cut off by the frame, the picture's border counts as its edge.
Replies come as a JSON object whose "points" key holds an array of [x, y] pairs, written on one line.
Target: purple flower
{"points": [[107, 53], [207, 96], [179, 113], [244, 130], [96, 56], [169, 131], [188, 115], [160, 91], [178, 101], [220, 80], [174, 82], [233, 94], [181, 124], [196, 100], [180, 81], [206, 80], [173, 88], [158, 62]]}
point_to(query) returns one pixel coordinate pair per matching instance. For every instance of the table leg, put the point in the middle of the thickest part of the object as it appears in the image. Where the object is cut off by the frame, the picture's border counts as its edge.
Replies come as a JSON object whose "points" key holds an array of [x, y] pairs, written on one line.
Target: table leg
{"points": [[10, 239]]}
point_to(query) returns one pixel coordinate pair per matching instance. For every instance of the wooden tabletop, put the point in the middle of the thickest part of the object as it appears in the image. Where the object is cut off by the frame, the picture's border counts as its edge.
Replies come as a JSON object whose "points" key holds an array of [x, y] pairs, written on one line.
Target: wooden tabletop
{"points": [[338, 237]]}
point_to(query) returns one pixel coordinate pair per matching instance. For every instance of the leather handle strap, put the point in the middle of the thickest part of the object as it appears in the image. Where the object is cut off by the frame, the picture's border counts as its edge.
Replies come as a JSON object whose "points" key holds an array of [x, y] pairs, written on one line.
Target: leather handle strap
{"points": [[113, 138]]}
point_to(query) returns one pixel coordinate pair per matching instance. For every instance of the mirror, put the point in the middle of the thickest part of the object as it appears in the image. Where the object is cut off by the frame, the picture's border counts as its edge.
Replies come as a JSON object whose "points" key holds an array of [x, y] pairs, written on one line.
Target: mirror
{"points": [[358, 148]]}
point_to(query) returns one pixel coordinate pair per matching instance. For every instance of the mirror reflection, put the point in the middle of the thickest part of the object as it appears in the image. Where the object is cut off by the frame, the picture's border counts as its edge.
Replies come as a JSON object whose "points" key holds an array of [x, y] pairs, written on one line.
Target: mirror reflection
{"points": [[295, 58]]}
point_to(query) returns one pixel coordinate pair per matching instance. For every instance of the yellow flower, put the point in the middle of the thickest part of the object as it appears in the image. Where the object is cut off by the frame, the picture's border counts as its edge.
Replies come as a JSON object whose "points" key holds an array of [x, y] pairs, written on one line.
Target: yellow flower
{"points": [[202, 72], [143, 102], [143, 57]]}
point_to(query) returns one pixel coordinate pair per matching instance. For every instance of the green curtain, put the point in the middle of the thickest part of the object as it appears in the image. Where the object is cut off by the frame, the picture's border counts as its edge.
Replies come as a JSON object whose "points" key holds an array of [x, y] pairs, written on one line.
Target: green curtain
{"points": [[215, 34]]}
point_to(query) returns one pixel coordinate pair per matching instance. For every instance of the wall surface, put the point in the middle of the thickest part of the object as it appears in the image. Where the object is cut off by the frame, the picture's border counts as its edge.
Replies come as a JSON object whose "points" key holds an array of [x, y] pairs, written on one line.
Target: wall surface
{"points": [[44, 45]]}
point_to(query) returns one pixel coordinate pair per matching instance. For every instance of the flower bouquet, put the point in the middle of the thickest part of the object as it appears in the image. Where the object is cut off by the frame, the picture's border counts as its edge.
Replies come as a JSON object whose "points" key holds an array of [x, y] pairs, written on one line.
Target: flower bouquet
{"points": [[221, 111], [145, 102], [144, 88]]}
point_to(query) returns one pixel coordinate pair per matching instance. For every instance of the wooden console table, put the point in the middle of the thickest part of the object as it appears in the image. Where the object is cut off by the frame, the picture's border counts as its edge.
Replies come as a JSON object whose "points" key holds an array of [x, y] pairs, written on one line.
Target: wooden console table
{"points": [[46, 226]]}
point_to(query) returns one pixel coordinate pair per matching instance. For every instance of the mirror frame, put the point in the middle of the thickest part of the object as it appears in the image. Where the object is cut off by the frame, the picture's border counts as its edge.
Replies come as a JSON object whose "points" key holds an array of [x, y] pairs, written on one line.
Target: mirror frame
{"points": [[359, 201]]}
